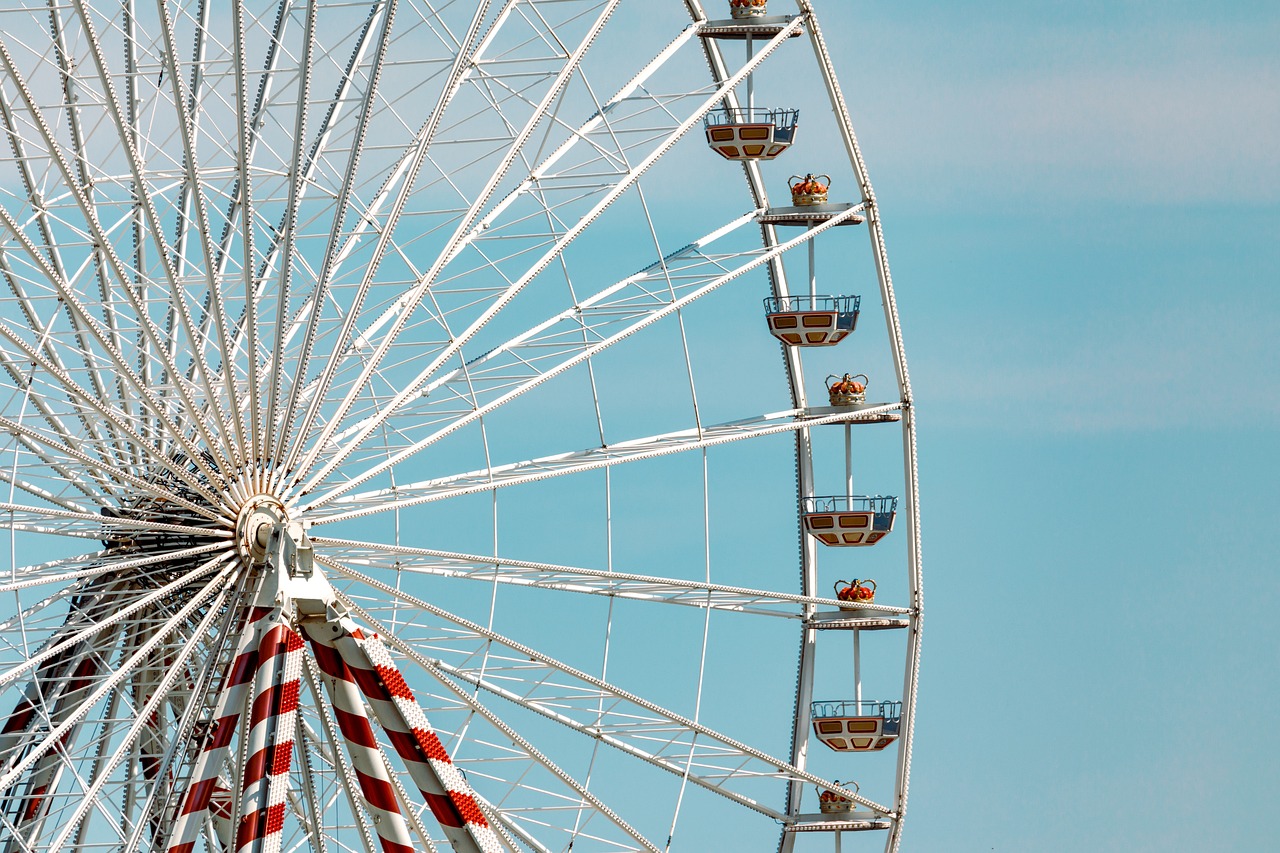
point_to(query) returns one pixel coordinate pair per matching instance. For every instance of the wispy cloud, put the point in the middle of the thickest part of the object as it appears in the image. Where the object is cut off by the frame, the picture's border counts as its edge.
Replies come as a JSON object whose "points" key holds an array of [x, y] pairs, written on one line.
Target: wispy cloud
{"points": [[1176, 368], [1156, 111]]}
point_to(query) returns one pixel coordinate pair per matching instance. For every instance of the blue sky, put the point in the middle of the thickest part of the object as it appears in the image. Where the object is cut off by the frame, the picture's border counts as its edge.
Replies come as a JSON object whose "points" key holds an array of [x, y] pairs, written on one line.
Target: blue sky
{"points": [[1082, 206]]}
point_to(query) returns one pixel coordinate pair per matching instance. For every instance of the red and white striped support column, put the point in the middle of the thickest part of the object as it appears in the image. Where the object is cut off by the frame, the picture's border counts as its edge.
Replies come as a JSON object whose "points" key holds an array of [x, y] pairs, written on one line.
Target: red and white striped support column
{"points": [[371, 773], [447, 793], [204, 784], [272, 726]]}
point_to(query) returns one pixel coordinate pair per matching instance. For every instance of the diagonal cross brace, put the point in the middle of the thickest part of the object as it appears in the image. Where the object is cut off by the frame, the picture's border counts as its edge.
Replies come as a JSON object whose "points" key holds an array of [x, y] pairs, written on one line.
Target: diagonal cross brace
{"points": [[448, 794]]}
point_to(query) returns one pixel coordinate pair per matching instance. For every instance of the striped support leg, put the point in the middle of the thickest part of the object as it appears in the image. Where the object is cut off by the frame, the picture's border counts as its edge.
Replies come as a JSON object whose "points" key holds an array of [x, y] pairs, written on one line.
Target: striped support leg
{"points": [[272, 727], [204, 785], [448, 794], [371, 773]]}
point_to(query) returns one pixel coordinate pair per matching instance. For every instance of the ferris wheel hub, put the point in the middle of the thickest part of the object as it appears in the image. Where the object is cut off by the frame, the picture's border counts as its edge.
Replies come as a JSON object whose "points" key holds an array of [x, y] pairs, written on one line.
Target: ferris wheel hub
{"points": [[257, 518]]}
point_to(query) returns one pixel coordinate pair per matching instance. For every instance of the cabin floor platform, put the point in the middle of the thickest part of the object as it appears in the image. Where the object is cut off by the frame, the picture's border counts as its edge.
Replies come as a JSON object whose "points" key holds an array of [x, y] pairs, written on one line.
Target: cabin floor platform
{"points": [[863, 620], [767, 26], [852, 822], [809, 215]]}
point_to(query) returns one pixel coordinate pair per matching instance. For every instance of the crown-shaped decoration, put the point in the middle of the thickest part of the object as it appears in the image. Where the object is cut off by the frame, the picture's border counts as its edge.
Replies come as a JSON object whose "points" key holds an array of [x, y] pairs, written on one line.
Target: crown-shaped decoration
{"points": [[747, 8], [847, 390], [830, 801], [859, 591], [810, 189]]}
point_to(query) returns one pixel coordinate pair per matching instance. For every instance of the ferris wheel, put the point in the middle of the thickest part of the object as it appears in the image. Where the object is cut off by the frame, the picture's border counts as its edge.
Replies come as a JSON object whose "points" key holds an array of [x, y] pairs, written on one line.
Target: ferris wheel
{"points": [[396, 454]]}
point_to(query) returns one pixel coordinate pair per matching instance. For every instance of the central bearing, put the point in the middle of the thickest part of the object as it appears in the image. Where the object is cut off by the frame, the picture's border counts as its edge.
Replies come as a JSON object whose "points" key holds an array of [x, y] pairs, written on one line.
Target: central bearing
{"points": [[258, 517]]}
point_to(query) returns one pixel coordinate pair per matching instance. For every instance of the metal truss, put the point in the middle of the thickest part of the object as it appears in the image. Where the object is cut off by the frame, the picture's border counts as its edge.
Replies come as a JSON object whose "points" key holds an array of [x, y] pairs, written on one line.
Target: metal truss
{"points": [[402, 364]]}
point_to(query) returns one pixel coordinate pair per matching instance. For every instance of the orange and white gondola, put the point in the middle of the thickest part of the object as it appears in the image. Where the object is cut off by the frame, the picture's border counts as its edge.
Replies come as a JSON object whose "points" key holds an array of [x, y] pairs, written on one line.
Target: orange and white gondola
{"points": [[811, 321], [751, 133], [857, 726], [849, 521]]}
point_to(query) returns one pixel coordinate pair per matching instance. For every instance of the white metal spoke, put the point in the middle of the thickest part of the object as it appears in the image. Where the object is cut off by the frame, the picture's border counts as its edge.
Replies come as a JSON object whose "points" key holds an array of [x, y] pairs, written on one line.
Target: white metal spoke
{"points": [[648, 318], [99, 563], [615, 584], [343, 202], [106, 473], [87, 399], [401, 179], [625, 181], [13, 770], [472, 702], [42, 218], [144, 719], [102, 240], [191, 165], [636, 726], [461, 232], [634, 450], [115, 618]]}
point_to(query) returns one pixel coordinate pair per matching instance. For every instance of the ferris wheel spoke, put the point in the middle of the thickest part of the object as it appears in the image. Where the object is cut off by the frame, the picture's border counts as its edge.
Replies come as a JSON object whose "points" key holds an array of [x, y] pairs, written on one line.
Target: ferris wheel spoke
{"points": [[590, 320], [249, 445], [344, 200], [103, 525], [568, 65], [538, 189], [62, 642], [19, 380], [191, 163], [94, 564], [353, 437], [62, 728], [589, 459], [90, 526], [54, 367], [12, 279], [614, 584], [401, 178], [466, 697], [583, 354], [162, 676], [85, 398], [406, 170], [102, 241], [239, 210], [41, 444], [597, 709], [38, 491], [79, 151]]}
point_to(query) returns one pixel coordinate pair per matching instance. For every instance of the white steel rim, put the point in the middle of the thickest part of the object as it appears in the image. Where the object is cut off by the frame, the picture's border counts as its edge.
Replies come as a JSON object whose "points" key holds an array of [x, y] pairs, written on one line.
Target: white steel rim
{"points": [[324, 375]]}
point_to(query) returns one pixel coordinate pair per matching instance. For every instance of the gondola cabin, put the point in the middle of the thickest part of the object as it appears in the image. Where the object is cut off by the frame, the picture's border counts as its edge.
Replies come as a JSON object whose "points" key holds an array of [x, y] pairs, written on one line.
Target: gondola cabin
{"points": [[857, 726], [750, 134], [811, 321], [849, 521]]}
